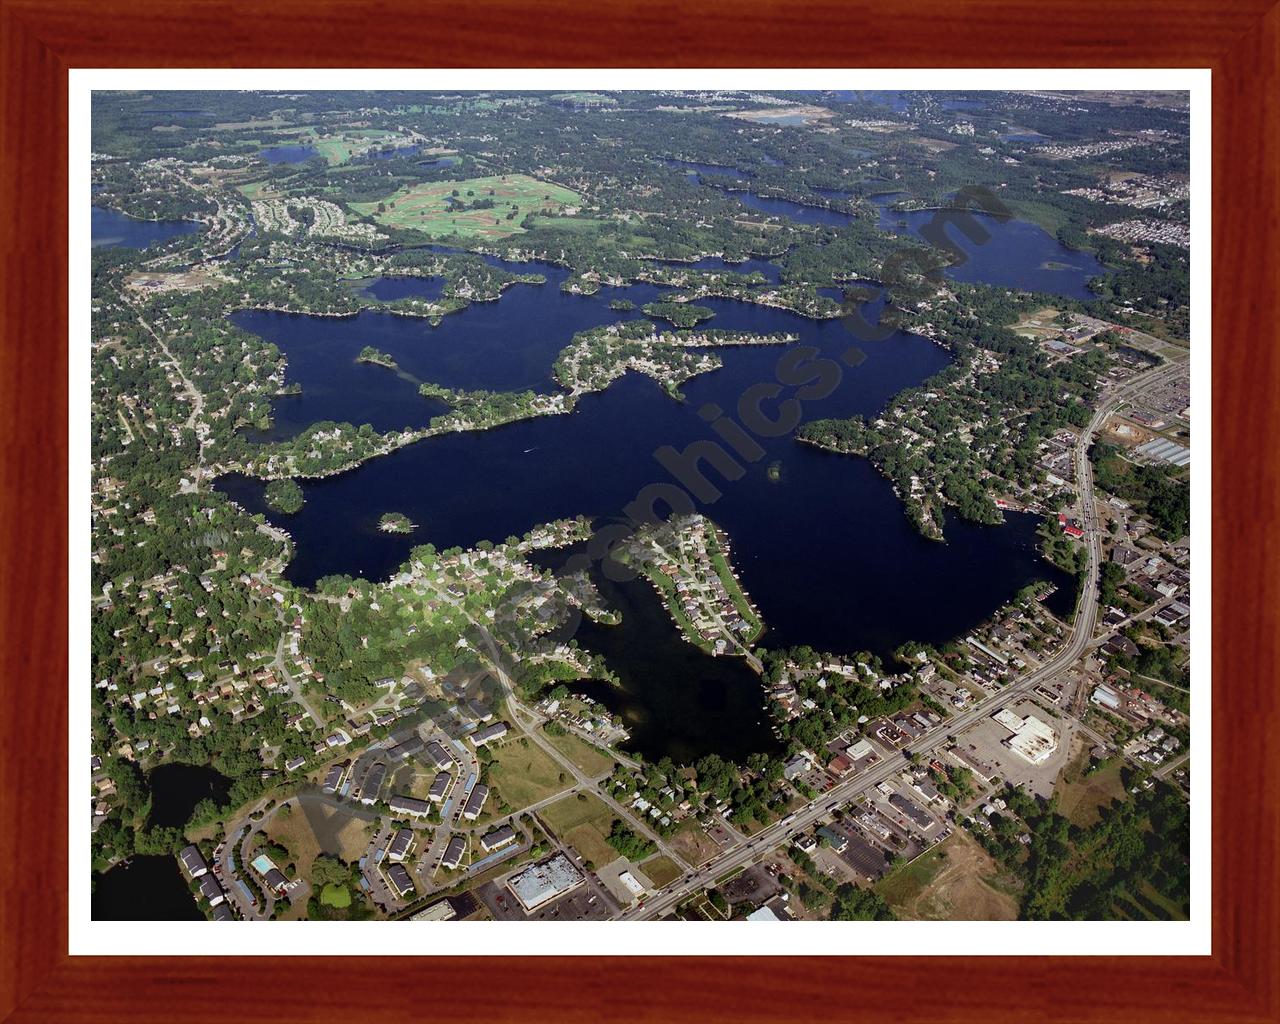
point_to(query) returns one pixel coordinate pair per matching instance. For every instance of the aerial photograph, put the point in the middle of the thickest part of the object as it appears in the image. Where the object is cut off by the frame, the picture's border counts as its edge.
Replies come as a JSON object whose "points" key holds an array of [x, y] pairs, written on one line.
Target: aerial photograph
{"points": [[704, 505]]}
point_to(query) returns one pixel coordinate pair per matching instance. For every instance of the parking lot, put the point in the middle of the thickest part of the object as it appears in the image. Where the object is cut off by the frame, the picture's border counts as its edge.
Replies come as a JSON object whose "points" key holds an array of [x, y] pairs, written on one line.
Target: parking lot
{"points": [[987, 739], [583, 904]]}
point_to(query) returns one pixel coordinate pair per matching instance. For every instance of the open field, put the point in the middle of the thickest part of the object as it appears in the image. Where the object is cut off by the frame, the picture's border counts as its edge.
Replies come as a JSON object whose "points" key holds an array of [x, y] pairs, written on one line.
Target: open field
{"points": [[432, 207], [693, 844], [1082, 799], [583, 824], [1037, 325], [320, 828], [951, 882], [524, 775], [335, 895], [571, 223], [586, 757], [661, 869]]}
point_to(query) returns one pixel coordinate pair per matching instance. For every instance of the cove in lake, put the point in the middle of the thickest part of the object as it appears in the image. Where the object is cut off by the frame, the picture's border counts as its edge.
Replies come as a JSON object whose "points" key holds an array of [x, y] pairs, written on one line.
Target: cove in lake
{"points": [[109, 227], [798, 212], [144, 889], [1018, 254], [176, 789], [676, 701], [774, 207]]}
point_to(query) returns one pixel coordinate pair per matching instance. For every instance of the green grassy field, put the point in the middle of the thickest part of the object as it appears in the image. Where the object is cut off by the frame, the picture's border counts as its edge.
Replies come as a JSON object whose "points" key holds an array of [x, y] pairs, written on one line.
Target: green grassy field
{"points": [[578, 224], [907, 881], [582, 754], [426, 206], [335, 895], [1082, 800], [661, 869], [583, 824], [525, 774]]}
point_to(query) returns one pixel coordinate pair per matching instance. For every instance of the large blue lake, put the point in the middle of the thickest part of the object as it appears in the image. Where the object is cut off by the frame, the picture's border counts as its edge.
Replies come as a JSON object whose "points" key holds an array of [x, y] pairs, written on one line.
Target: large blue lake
{"points": [[109, 227], [821, 542]]}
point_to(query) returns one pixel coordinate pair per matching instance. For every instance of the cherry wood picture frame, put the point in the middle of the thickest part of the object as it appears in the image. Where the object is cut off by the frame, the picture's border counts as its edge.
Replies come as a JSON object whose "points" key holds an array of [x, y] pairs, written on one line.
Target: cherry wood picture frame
{"points": [[41, 39]]}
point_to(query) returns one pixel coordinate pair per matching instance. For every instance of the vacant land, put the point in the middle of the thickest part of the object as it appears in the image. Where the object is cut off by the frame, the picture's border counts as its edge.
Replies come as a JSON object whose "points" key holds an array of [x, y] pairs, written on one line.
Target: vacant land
{"points": [[474, 208], [1038, 325], [583, 824], [1082, 799], [661, 869], [954, 881], [586, 757], [524, 774], [693, 844]]}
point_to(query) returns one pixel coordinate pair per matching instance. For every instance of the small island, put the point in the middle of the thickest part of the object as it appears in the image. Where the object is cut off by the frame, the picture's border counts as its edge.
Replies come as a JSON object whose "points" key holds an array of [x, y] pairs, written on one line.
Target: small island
{"points": [[622, 305], [284, 496], [681, 314], [395, 522], [369, 354]]}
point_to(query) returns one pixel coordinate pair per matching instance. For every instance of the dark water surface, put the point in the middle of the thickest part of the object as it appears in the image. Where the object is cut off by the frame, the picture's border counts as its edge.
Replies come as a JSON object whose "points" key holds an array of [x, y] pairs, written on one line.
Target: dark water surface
{"points": [[820, 540], [177, 788], [111, 227], [144, 889], [1017, 253], [289, 154]]}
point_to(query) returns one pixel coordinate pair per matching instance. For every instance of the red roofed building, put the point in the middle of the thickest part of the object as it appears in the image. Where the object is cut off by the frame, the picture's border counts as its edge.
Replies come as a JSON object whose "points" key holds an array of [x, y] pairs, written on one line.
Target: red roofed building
{"points": [[839, 764]]}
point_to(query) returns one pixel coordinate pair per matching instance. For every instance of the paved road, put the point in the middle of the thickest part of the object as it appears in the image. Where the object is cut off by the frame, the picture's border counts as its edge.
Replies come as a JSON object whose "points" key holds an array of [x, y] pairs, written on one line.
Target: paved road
{"points": [[1082, 632]]}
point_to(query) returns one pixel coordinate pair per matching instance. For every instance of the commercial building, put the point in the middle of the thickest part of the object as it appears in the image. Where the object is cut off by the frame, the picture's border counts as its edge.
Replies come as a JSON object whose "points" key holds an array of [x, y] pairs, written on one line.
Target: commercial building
{"points": [[912, 810], [441, 910], [1106, 697], [1032, 739], [540, 883], [837, 840]]}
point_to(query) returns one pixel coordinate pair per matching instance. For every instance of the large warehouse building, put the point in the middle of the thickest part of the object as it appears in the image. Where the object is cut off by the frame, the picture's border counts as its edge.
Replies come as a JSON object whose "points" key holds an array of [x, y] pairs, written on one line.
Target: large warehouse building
{"points": [[544, 881]]}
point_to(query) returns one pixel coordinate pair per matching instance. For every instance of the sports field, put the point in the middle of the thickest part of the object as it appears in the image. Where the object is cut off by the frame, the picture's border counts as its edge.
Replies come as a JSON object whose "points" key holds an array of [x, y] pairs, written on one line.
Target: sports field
{"points": [[433, 207]]}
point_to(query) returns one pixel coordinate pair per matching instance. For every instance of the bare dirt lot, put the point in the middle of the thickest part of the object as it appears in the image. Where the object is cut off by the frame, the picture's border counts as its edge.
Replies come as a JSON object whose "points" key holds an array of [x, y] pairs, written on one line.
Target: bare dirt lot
{"points": [[952, 882]]}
